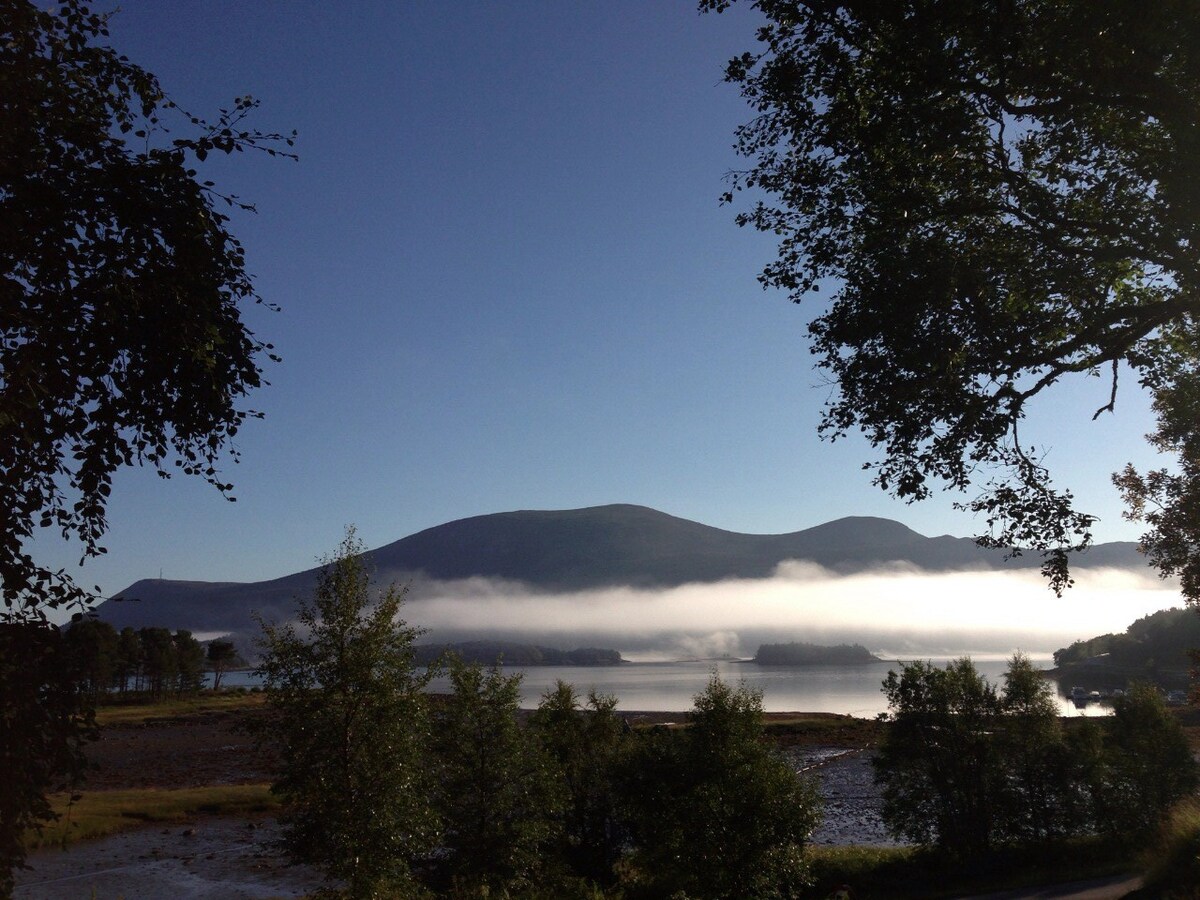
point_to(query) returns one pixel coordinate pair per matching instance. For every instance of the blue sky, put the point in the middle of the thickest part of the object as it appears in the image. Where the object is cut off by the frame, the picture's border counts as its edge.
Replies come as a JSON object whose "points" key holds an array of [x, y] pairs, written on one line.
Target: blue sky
{"points": [[506, 283]]}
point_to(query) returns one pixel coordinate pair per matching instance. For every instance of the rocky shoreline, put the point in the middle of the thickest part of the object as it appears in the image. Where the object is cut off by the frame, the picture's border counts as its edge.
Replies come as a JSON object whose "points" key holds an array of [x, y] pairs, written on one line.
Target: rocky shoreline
{"points": [[853, 804]]}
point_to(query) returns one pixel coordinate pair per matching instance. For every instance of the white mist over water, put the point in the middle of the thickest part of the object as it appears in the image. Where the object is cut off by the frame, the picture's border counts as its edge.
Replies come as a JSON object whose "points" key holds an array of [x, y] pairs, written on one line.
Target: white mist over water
{"points": [[896, 611]]}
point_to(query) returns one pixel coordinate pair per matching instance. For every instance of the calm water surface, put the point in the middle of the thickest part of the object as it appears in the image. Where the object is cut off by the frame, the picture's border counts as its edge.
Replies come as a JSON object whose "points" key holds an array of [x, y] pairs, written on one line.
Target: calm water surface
{"points": [[670, 686]]}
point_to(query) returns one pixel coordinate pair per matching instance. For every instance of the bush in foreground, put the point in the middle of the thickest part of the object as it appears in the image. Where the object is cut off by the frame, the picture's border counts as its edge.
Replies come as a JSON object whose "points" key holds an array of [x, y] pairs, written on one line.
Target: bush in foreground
{"points": [[967, 769], [715, 812]]}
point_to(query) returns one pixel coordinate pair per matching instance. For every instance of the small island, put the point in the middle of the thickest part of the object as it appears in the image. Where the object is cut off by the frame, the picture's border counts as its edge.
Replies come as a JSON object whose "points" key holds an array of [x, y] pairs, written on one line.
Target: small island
{"points": [[801, 654], [511, 653]]}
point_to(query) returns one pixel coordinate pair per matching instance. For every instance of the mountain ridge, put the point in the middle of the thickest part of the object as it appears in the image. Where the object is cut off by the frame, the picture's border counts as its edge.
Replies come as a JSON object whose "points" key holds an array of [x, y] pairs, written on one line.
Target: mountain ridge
{"points": [[579, 549]]}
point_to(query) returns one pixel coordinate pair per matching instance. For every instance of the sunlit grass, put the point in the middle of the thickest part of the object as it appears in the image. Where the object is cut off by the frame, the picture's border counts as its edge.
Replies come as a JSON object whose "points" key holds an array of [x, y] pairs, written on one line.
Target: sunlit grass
{"points": [[98, 814], [1173, 862], [821, 729], [205, 702]]}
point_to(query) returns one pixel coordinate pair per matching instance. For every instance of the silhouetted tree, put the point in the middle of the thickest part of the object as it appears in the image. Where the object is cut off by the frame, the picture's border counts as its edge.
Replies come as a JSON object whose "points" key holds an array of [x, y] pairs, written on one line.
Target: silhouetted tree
{"points": [[1004, 191], [966, 768], [45, 718], [714, 812], [221, 655], [1041, 773], [352, 727], [129, 659], [121, 291], [938, 764], [497, 794], [189, 655], [160, 660], [121, 286], [586, 741], [91, 648], [1148, 766]]}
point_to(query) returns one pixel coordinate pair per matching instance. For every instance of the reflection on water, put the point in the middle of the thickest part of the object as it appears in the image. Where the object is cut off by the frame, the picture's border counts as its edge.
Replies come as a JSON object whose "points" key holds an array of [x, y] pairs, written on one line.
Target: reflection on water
{"points": [[670, 686]]}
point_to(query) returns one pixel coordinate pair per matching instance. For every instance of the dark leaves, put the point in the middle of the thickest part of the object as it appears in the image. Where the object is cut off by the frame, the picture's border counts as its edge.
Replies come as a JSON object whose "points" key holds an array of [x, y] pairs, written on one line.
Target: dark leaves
{"points": [[1006, 193], [121, 338]]}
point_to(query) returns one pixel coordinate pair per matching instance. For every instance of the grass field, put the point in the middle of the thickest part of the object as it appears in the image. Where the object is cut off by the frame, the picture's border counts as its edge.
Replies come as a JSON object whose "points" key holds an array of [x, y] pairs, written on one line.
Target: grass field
{"points": [[205, 702]]}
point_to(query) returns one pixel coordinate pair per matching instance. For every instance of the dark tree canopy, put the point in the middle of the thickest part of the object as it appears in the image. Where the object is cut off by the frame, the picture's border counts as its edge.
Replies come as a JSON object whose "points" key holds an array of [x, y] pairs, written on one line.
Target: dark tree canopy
{"points": [[45, 720], [1008, 192], [121, 288]]}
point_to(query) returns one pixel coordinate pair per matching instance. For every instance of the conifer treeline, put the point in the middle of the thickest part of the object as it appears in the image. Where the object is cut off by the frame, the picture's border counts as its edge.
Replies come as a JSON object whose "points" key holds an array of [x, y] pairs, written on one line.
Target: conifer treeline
{"points": [[153, 661]]}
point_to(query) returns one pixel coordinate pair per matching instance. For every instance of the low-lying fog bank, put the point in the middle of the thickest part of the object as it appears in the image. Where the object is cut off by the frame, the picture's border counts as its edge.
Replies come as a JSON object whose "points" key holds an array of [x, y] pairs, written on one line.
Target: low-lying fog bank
{"points": [[895, 612]]}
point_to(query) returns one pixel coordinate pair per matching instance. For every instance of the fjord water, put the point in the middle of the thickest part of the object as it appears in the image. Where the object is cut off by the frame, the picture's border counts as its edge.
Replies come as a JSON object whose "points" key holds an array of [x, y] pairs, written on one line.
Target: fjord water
{"points": [[670, 686]]}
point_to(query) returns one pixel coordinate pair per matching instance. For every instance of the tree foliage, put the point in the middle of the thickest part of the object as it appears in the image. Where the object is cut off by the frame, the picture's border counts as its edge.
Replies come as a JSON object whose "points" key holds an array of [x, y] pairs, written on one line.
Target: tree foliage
{"points": [[91, 647], [938, 765], [45, 719], [1006, 192], [498, 793], [1043, 772], [121, 287], [587, 742], [1154, 644], [1148, 766], [353, 729], [153, 659], [966, 767], [714, 813], [220, 656]]}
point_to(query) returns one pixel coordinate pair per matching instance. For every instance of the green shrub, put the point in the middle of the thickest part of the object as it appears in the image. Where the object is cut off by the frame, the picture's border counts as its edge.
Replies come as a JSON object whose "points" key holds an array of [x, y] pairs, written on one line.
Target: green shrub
{"points": [[966, 768], [713, 811], [1148, 767]]}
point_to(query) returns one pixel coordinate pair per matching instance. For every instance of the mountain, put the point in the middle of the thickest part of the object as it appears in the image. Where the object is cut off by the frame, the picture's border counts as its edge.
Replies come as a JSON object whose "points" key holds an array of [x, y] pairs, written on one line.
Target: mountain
{"points": [[576, 549]]}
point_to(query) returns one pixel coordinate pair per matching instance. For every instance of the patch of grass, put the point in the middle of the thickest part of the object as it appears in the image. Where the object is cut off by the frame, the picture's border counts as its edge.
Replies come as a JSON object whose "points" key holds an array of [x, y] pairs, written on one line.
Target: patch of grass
{"points": [[98, 814], [1173, 862], [902, 872], [204, 703], [791, 729]]}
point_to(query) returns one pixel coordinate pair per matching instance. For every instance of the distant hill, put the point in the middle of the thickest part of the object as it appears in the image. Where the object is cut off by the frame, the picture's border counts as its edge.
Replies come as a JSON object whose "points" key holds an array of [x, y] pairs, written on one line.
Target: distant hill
{"points": [[800, 654], [1154, 648], [511, 653], [571, 550]]}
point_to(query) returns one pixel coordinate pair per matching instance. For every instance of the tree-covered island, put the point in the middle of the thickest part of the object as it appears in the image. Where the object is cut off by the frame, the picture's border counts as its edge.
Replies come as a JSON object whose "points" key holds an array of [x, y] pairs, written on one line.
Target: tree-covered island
{"points": [[802, 654], [513, 653]]}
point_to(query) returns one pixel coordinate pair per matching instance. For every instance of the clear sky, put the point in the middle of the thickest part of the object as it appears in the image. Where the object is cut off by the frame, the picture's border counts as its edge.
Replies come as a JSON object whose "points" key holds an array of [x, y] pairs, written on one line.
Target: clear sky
{"points": [[506, 283]]}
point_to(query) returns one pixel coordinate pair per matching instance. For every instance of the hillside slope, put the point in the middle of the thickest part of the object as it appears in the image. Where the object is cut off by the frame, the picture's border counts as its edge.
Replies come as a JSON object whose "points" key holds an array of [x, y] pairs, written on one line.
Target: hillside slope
{"points": [[571, 550]]}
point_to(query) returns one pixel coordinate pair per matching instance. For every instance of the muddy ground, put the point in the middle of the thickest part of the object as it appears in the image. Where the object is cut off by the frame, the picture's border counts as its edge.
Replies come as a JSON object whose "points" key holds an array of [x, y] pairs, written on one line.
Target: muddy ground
{"points": [[185, 751], [209, 858]]}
